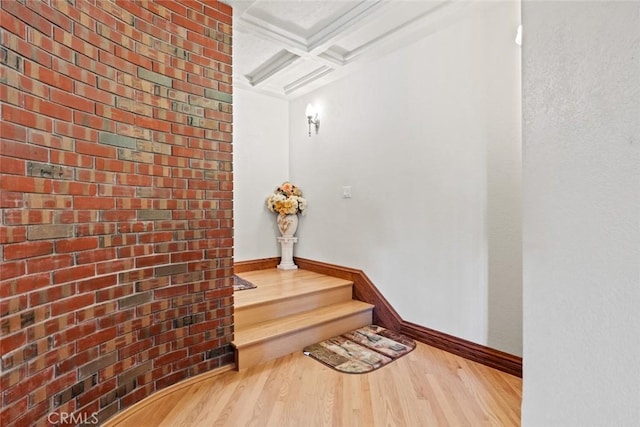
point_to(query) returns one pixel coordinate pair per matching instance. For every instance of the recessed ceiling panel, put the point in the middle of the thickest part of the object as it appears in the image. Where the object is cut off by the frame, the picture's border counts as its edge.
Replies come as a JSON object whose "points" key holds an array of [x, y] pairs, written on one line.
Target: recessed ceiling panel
{"points": [[250, 52], [301, 17], [395, 18], [289, 47]]}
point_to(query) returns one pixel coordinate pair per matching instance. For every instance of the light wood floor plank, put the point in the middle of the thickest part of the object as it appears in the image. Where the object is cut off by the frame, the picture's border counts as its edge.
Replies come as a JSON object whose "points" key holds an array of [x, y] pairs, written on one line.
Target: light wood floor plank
{"points": [[428, 387]]}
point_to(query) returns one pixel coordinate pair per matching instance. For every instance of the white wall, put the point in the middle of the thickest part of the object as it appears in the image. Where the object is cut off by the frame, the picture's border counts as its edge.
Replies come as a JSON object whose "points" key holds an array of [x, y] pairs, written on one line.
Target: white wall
{"points": [[429, 140], [581, 86], [261, 163]]}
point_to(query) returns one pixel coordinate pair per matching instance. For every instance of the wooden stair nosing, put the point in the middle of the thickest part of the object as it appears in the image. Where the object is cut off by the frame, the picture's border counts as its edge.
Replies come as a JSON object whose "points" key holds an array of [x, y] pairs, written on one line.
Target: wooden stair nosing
{"points": [[256, 296], [252, 304], [274, 328], [263, 351], [251, 314]]}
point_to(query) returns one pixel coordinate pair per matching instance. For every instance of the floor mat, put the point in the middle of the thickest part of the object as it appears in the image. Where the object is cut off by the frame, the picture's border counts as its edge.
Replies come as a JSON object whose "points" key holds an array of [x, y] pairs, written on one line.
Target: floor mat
{"points": [[362, 350], [240, 284]]}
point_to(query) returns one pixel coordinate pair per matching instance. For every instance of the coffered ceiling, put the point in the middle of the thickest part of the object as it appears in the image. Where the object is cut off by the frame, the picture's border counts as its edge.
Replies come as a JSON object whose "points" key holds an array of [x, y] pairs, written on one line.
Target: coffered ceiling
{"points": [[289, 47]]}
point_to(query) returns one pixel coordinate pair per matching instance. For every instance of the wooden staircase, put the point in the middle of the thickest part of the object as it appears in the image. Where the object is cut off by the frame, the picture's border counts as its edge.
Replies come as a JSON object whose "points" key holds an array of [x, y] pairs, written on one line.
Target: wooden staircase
{"points": [[289, 310]]}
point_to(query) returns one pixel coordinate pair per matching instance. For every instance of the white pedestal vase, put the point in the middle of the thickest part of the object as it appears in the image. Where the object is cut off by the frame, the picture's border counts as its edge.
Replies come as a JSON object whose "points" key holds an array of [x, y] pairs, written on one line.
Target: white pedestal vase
{"points": [[287, 224], [286, 249]]}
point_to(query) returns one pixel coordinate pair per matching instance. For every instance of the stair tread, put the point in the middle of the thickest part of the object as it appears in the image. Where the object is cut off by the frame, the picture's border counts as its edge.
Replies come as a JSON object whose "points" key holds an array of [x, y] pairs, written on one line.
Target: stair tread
{"points": [[277, 284], [271, 328]]}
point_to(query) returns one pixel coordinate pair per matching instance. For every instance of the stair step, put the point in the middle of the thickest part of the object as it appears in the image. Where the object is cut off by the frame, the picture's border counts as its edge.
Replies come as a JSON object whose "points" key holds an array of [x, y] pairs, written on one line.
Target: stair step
{"points": [[275, 338], [282, 293]]}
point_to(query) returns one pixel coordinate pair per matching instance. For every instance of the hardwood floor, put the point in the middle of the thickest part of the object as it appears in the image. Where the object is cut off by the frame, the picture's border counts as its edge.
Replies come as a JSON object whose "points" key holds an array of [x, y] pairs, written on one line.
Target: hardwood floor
{"points": [[427, 387]]}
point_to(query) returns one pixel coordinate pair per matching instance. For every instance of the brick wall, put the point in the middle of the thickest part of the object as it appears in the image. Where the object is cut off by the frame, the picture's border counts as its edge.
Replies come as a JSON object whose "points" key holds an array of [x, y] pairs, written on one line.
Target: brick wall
{"points": [[115, 202]]}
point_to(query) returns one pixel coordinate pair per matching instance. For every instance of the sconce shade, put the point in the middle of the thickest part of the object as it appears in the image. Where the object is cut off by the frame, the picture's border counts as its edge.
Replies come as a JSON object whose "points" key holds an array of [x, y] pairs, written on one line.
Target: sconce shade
{"points": [[310, 111]]}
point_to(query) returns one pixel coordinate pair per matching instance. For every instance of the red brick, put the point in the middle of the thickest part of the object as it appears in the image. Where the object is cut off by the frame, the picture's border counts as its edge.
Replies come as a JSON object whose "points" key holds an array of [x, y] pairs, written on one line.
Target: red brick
{"points": [[115, 114], [70, 334], [70, 159], [80, 202], [93, 38], [92, 149], [96, 283], [25, 284], [175, 7], [188, 23], [149, 123], [119, 215], [75, 43], [12, 167], [26, 118], [47, 108], [26, 184], [48, 140], [11, 96], [89, 120], [13, 25], [96, 339], [19, 81], [153, 260], [78, 217], [113, 294], [48, 76], [91, 257], [93, 93], [23, 151], [72, 71], [26, 15], [115, 165], [73, 101], [74, 273], [224, 8], [27, 250], [117, 63], [49, 263], [8, 343], [12, 234], [114, 266], [74, 188], [50, 14], [72, 304], [26, 387], [77, 244], [98, 68]]}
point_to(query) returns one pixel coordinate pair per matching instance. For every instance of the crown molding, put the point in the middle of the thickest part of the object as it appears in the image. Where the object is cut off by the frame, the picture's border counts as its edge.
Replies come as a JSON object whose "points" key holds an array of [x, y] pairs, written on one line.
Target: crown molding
{"points": [[307, 79], [277, 63]]}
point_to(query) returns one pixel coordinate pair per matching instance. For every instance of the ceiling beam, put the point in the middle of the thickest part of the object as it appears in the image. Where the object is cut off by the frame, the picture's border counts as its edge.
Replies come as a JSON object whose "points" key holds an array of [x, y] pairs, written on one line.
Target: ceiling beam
{"points": [[276, 63]]}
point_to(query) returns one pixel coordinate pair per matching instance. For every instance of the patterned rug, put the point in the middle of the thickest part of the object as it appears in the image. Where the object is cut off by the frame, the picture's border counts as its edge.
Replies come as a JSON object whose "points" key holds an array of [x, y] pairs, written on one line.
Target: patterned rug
{"points": [[240, 284], [362, 350]]}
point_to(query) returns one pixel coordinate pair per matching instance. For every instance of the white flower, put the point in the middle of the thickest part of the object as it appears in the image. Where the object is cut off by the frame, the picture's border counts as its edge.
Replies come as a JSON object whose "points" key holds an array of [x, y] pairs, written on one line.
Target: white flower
{"points": [[287, 200]]}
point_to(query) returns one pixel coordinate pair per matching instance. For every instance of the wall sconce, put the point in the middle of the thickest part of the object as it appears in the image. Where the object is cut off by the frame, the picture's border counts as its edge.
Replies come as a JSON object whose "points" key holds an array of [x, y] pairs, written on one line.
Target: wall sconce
{"points": [[312, 117]]}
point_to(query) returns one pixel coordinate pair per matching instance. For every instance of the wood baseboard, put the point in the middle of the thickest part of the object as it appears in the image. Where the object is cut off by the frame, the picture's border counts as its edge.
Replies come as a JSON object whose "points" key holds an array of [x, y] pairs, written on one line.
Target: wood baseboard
{"points": [[488, 356], [120, 418], [384, 315], [256, 264], [363, 289]]}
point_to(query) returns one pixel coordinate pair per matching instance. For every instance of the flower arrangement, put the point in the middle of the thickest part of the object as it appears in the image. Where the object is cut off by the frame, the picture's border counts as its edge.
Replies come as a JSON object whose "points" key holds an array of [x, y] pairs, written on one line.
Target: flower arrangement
{"points": [[287, 200]]}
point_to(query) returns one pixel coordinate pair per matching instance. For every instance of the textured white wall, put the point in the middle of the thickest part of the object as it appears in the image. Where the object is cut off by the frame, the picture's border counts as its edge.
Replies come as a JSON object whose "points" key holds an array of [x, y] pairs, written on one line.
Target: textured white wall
{"points": [[581, 104], [261, 162], [429, 140]]}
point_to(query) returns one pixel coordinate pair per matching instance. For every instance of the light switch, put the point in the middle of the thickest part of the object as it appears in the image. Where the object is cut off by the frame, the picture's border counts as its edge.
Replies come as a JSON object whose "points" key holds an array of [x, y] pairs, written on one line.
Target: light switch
{"points": [[346, 192]]}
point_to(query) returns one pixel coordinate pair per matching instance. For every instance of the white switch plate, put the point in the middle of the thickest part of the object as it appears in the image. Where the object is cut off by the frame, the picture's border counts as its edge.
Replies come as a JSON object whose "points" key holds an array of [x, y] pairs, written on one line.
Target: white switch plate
{"points": [[346, 192]]}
